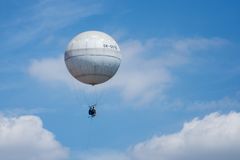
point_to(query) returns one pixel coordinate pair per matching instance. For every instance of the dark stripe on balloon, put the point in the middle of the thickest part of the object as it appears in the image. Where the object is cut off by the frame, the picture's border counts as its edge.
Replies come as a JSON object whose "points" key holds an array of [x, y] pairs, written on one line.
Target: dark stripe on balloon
{"points": [[92, 55]]}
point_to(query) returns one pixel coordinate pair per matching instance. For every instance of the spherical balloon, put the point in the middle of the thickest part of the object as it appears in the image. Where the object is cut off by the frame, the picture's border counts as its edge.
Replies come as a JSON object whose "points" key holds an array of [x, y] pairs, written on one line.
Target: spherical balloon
{"points": [[92, 57]]}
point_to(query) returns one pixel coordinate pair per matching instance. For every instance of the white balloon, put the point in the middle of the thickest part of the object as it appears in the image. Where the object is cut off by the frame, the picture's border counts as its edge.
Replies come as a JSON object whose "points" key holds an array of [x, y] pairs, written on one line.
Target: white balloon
{"points": [[92, 57]]}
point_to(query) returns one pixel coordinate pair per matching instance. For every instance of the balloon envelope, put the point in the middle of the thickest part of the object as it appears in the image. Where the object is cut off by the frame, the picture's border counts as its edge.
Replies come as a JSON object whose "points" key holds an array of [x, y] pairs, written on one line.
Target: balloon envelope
{"points": [[92, 57]]}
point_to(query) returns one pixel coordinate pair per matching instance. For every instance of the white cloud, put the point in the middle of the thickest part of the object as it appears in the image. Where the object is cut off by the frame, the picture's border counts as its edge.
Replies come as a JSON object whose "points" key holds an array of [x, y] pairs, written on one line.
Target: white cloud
{"points": [[225, 103], [53, 71], [146, 69], [221, 104], [215, 137], [50, 70], [25, 138], [42, 19], [103, 155]]}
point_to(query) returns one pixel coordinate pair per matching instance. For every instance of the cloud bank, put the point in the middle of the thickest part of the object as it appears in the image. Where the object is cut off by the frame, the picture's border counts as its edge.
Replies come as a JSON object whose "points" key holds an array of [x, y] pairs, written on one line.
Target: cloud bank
{"points": [[214, 137], [146, 69], [25, 138]]}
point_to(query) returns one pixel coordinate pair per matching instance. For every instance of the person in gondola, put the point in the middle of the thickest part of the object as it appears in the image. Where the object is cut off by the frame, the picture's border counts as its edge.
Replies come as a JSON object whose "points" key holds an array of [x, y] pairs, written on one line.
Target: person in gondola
{"points": [[92, 111]]}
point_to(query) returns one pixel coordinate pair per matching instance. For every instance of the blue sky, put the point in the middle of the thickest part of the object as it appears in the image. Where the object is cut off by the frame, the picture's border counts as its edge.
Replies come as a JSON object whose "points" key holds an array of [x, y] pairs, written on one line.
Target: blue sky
{"points": [[180, 61]]}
